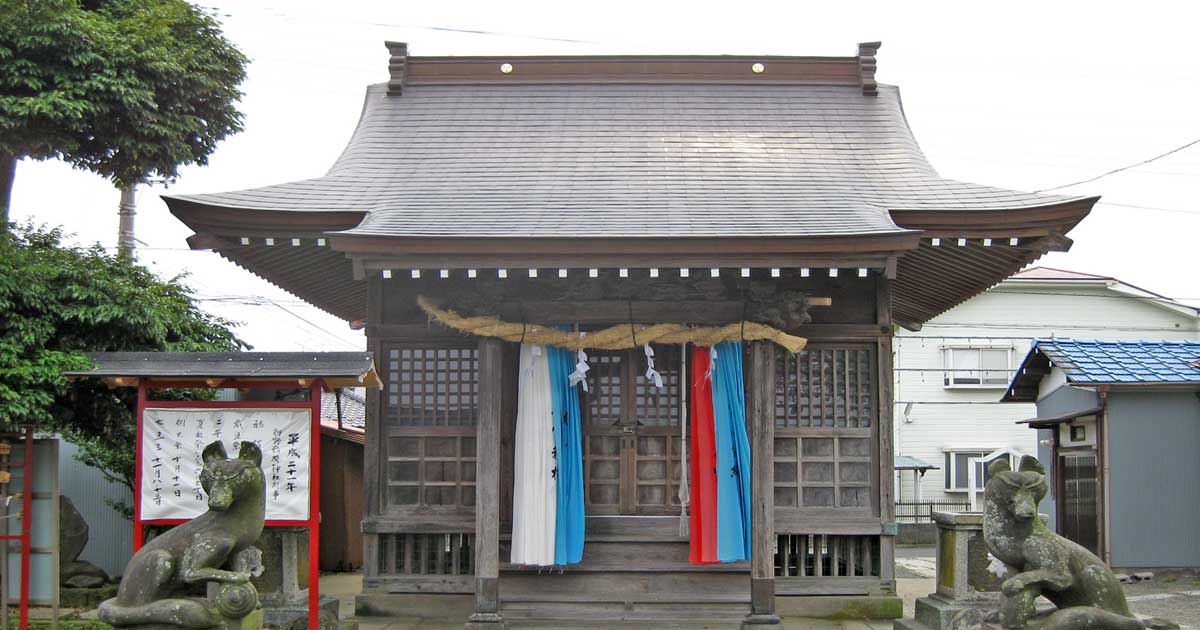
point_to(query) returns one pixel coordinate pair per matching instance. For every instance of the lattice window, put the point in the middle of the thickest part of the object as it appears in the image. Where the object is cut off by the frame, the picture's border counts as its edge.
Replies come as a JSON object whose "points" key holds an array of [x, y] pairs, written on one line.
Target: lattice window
{"points": [[431, 471], [659, 407], [432, 386], [603, 398], [825, 386], [825, 410], [823, 472]]}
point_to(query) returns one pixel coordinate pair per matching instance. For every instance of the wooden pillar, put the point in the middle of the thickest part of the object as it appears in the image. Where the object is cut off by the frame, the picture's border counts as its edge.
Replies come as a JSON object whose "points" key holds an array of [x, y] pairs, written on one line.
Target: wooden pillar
{"points": [[487, 488], [373, 453], [887, 461], [761, 414]]}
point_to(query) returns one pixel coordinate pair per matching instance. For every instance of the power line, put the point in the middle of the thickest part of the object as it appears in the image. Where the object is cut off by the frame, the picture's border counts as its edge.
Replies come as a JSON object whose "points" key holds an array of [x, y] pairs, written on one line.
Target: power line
{"points": [[1124, 168], [327, 332], [1154, 208]]}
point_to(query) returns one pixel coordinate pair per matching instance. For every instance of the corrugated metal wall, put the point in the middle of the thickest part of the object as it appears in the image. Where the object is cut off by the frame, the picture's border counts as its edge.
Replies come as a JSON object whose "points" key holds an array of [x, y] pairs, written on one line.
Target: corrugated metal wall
{"points": [[1154, 459], [110, 537]]}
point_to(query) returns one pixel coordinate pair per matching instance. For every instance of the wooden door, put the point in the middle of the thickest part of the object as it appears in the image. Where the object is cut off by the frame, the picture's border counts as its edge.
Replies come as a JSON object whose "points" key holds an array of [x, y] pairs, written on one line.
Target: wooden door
{"points": [[1079, 511], [632, 442]]}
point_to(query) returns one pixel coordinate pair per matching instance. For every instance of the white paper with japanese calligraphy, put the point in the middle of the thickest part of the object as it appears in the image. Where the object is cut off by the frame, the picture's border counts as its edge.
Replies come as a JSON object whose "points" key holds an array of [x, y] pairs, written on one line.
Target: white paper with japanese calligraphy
{"points": [[172, 440]]}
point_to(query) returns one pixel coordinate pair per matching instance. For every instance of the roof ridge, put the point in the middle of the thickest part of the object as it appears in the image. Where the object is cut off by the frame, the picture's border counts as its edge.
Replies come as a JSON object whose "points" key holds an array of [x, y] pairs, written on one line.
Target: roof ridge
{"points": [[857, 70]]}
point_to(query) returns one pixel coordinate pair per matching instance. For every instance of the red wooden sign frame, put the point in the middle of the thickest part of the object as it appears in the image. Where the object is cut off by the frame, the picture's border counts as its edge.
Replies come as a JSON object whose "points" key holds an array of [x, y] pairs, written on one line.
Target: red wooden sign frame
{"points": [[314, 499]]}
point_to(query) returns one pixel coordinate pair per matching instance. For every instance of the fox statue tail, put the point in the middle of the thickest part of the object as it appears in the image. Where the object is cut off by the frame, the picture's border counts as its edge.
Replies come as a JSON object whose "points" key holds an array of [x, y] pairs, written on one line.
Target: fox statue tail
{"points": [[195, 614], [1091, 618]]}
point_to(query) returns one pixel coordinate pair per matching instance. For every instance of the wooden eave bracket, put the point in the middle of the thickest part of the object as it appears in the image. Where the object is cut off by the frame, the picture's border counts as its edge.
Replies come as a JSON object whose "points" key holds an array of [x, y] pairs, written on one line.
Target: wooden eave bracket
{"points": [[206, 240], [1052, 242]]}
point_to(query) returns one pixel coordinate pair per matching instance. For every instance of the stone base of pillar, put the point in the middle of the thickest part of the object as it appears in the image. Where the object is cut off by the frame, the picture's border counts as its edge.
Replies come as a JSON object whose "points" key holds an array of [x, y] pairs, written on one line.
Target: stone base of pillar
{"points": [[936, 612], [484, 621], [761, 622]]}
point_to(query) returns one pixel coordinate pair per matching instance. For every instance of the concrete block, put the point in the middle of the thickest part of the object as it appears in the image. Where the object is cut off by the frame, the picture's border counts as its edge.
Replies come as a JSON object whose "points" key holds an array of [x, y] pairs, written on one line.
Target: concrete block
{"points": [[1143, 575], [841, 606]]}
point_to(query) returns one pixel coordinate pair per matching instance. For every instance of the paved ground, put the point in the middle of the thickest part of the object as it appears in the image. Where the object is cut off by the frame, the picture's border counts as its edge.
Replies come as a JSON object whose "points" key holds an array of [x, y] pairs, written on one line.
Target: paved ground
{"points": [[1170, 595]]}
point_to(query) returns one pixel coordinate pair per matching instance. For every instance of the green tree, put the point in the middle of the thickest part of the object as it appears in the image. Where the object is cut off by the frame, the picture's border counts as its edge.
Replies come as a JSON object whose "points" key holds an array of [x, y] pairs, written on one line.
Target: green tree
{"points": [[58, 302], [128, 89]]}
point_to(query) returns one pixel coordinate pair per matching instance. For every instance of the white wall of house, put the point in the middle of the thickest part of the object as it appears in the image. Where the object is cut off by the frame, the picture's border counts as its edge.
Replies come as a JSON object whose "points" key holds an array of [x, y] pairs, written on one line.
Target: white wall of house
{"points": [[932, 419]]}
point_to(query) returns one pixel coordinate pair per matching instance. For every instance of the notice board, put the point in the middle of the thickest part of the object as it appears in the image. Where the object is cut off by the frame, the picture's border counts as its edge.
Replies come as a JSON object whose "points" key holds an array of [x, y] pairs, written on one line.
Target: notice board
{"points": [[174, 438]]}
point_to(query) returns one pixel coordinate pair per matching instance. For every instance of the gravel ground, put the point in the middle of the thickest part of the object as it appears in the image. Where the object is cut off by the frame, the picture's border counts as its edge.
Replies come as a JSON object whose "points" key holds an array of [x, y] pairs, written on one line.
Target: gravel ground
{"points": [[1173, 595]]}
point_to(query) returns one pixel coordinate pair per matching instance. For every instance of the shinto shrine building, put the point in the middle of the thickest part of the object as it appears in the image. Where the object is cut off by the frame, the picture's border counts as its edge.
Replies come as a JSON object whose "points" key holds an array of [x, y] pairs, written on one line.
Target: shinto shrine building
{"points": [[591, 192]]}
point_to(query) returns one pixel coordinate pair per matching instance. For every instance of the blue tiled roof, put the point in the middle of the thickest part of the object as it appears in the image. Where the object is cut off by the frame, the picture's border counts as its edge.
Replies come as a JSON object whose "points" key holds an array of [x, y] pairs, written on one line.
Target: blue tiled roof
{"points": [[1105, 361]]}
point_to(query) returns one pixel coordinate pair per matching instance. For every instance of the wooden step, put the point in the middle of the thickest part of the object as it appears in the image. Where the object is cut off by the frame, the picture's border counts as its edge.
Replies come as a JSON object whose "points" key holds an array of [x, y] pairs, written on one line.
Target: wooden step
{"points": [[663, 614], [623, 587], [631, 556]]}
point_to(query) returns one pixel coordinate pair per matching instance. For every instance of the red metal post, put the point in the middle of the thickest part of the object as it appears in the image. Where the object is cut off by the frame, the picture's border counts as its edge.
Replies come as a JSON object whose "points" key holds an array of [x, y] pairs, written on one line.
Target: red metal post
{"points": [[26, 520], [138, 528], [314, 511]]}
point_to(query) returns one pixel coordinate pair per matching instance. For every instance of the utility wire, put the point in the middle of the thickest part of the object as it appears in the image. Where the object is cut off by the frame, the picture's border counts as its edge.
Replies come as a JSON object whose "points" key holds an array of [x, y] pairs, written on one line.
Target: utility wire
{"points": [[1123, 168], [1153, 208], [327, 332]]}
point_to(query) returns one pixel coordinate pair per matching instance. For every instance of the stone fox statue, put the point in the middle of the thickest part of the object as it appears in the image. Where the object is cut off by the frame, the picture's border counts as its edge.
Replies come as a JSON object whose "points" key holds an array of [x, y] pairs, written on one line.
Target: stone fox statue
{"points": [[1075, 580], [159, 578]]}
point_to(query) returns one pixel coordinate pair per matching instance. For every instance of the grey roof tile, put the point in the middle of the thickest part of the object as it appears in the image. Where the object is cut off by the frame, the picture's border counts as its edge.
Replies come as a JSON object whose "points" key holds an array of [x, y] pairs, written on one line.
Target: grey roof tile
{"points": [[629, 160]]}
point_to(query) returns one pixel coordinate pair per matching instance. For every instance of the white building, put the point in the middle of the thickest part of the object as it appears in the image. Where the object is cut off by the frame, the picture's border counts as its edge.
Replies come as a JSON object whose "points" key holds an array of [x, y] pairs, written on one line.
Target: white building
{"points": [[951, 374]]}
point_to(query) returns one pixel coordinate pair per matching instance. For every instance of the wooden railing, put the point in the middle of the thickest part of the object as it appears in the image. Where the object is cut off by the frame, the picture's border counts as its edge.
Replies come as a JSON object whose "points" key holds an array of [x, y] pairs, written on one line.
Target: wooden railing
{"points": [[827, 555], [922, 511], [423, 562]]}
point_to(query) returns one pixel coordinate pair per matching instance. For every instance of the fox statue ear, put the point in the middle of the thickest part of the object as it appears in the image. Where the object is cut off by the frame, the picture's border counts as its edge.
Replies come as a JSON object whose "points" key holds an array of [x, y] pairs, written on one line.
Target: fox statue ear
{"points": [[998, 465], [1030, 463], [214, 452], [250, 452]]}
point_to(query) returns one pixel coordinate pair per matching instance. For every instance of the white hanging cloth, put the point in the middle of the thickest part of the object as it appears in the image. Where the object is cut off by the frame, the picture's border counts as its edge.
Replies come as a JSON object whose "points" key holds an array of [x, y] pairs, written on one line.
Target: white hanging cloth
{"points": [[535, 489], [685, 495]]}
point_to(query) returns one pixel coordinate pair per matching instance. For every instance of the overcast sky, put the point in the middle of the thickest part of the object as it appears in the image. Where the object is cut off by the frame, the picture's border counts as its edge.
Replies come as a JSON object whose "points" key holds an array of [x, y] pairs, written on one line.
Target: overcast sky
{"points": [[1024, 95]]}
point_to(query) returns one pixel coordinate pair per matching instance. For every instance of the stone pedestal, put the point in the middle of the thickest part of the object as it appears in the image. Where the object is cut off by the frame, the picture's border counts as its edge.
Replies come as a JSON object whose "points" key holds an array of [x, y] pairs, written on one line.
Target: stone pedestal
{"points": [[967, 591], [283, 585]]}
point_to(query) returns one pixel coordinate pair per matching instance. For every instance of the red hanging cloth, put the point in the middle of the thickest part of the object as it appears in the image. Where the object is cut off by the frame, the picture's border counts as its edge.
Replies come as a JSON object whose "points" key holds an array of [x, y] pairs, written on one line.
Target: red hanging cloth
{"points": [[703, 462]]}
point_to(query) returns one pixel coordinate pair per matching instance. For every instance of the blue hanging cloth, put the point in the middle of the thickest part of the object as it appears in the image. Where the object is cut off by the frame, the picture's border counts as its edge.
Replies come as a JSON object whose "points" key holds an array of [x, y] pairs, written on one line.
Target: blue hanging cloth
{"points": [[733, 454], [569, 531]]}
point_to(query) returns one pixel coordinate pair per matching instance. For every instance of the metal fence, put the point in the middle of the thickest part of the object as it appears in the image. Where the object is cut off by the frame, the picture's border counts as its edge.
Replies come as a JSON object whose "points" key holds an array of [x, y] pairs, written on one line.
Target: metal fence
{"points": [[922, 511]]}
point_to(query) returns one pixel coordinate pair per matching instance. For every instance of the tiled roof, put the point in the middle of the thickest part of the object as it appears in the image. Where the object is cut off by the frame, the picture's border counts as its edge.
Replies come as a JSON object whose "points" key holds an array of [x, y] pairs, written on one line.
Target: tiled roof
{"points": [[354, 410], [1102, 361], [1050, 273], [617, 160]]}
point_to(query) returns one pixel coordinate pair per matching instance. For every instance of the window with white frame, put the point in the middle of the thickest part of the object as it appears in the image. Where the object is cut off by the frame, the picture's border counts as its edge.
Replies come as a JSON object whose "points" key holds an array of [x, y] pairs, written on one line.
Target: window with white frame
{"points": [[958, 464], [986, 367]]}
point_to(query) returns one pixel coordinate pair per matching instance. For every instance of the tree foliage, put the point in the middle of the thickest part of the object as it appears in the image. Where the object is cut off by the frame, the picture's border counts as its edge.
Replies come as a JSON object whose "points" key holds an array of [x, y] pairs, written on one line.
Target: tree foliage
{"points": [[129, 89], [58, 302]]}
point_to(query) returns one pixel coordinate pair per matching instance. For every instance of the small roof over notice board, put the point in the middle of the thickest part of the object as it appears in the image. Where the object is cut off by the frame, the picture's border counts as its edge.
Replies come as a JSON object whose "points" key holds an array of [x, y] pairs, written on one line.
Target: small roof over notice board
{"points": [[333, 369]]}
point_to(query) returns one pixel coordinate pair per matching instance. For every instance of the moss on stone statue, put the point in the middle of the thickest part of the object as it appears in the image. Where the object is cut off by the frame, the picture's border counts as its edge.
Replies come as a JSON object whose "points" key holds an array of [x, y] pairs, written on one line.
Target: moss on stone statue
{"points": [[946, 558]]}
